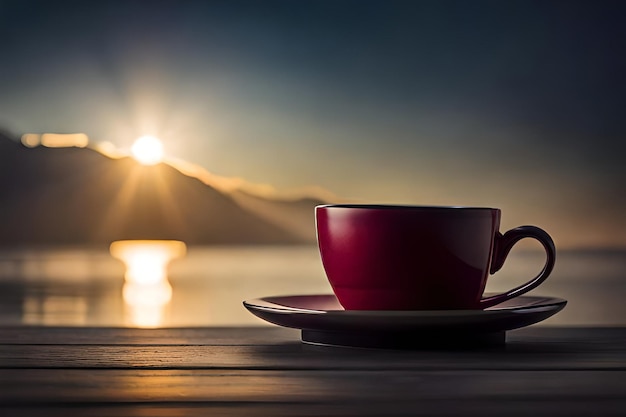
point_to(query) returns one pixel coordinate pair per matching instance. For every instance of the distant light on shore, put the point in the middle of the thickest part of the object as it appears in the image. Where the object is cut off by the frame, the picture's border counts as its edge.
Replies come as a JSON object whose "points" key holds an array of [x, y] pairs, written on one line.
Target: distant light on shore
{"points": [[31, 139], [110, 150], [55, 140]]}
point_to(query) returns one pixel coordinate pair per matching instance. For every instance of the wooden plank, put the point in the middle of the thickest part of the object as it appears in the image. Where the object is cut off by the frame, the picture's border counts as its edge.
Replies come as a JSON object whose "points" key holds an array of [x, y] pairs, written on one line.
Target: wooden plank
{"points": [[29, 387], [133, 336], [297, 356], [278, 348], [594, 337], [260, 393], [267, 371], [555, 407]]}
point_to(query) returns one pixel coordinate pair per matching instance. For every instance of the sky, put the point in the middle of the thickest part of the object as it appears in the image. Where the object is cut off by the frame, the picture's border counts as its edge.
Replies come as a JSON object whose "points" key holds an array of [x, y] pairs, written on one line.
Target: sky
{"points": [[518, 105]]}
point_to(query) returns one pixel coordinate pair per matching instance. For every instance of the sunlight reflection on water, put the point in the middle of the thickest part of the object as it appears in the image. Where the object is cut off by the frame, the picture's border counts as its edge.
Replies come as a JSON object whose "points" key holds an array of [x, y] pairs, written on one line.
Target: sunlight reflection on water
{"points": [[84, 287], [147, 291]]}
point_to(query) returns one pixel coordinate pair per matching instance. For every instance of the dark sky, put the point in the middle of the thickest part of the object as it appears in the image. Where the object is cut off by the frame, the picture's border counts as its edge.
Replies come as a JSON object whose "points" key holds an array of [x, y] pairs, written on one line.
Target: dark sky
{"points": [[516, 104]]}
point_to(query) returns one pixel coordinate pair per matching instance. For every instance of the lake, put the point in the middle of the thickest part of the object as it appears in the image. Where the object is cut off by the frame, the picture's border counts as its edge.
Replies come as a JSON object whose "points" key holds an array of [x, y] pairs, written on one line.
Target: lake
{"points": [[206, 286]]}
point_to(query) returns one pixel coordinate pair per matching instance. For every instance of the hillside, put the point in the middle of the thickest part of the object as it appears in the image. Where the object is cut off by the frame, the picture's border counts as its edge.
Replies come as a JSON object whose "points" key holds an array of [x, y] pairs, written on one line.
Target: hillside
{"points": [[76, 196]]}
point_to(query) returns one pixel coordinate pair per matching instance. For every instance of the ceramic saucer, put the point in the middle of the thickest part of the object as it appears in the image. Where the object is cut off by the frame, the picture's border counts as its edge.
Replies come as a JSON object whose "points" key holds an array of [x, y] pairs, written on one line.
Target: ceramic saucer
{"points": [[323, 321]]}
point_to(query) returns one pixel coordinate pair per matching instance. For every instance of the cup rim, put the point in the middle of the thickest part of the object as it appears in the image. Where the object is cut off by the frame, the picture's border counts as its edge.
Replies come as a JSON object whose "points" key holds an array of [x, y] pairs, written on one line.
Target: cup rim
{"points": [[402, 207]]}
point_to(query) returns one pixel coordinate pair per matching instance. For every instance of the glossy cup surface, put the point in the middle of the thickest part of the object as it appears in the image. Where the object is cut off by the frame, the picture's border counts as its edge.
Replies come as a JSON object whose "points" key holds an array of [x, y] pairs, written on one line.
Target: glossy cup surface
{"points": [[380, 257]]}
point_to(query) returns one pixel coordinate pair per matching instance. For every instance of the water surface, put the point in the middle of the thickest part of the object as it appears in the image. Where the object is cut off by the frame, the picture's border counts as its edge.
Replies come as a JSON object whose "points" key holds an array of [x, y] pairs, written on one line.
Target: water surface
{"points": [[85, 286]]}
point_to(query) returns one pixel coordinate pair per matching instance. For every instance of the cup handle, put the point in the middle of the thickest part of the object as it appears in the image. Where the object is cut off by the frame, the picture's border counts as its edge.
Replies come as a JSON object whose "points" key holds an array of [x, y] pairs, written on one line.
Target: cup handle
{"points": [[502, 247]]}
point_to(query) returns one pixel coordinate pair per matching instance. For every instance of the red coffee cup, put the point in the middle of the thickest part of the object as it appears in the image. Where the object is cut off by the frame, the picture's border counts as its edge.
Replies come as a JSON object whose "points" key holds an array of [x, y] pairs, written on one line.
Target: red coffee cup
{"points": [[392, 257]]}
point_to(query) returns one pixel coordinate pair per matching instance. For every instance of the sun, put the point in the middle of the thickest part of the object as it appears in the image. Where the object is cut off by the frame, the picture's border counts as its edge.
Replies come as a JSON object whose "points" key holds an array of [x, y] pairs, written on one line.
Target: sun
{"points": [[147, 150]]}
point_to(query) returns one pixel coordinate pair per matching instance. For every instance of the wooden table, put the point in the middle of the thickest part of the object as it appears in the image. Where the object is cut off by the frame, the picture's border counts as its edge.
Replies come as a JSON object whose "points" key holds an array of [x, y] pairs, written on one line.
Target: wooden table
{"points": [[267, 371]]}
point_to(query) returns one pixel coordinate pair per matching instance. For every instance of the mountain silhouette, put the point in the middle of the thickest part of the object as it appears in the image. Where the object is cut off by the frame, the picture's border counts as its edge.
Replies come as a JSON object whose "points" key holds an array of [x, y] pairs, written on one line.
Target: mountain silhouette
{"points": [[78, 196]]}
